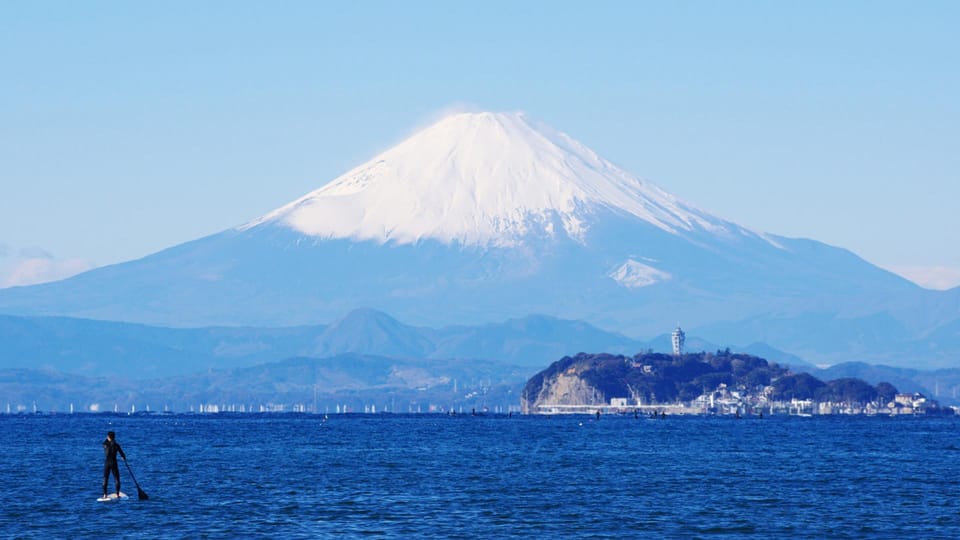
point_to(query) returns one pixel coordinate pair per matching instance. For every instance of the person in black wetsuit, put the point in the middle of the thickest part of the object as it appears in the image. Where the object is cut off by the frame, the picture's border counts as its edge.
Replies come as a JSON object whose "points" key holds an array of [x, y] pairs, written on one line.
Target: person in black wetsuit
{"points": [[110, 450]]}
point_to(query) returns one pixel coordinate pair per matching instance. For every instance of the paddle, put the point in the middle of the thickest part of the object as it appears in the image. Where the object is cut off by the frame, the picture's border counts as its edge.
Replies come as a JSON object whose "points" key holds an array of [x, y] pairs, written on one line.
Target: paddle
{"points": [[141, 494]]}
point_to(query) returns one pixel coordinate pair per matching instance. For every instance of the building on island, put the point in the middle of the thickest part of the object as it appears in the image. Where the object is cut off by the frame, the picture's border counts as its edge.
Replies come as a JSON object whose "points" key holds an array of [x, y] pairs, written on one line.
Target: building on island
{"points": [[678, 338]]}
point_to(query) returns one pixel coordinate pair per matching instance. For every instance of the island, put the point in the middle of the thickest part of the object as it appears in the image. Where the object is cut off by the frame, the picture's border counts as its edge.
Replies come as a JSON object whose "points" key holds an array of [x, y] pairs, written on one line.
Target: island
{"points": [[704, 383]]}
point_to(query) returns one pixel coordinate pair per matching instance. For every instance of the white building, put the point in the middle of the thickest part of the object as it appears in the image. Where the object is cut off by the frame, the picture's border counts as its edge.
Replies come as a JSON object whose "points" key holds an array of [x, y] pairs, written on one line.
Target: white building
{"points": [[678, 338]]}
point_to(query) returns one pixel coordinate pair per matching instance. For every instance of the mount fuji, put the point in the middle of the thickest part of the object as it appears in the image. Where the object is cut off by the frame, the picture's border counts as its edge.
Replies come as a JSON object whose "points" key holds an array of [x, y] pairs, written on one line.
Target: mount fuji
{"points": [[481, 217]]}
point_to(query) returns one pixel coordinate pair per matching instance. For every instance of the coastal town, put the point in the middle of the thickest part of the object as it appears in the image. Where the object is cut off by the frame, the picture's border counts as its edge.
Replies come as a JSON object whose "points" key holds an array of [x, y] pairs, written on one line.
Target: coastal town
{"points": [[739, 402]]}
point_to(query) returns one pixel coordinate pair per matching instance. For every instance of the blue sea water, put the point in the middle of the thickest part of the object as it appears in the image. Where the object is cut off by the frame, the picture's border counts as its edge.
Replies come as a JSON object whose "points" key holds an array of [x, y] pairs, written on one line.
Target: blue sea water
{"points": [[412, 476]]}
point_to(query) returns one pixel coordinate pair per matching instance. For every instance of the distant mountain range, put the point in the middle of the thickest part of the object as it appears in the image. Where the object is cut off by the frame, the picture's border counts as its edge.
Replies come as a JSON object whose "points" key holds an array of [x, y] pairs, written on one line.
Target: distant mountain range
{"points": [[135, 351], [485, 217], [363, 358]]}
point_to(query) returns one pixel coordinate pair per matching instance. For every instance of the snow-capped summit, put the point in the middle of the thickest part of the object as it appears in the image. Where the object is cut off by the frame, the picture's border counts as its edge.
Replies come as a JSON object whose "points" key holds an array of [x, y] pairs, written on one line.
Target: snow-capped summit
{"points": [[483, 179]]}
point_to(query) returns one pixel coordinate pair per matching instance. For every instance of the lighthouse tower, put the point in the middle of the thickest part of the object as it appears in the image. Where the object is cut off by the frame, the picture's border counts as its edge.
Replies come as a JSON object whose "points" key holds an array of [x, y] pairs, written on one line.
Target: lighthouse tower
{"points": [[678, 337]]}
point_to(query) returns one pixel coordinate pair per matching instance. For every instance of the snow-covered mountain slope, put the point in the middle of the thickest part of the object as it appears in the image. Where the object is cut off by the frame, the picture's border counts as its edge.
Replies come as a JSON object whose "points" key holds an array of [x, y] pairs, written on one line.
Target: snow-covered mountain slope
{"points": [[488, 179], [484, 217]]}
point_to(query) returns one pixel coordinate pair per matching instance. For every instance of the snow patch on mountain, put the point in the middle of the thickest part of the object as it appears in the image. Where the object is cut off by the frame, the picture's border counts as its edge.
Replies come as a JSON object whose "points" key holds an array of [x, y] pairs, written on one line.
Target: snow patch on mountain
{"points": [[633, 275], [484, 179]]}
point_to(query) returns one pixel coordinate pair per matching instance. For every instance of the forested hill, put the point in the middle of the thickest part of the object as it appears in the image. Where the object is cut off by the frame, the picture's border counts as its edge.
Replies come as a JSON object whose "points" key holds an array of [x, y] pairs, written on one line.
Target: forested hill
{"points": [[662, 378]]}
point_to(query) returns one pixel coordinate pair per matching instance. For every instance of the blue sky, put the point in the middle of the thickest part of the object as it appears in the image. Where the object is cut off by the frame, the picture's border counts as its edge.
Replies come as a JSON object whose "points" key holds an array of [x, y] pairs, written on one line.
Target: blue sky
{"points": [[129, 127]]}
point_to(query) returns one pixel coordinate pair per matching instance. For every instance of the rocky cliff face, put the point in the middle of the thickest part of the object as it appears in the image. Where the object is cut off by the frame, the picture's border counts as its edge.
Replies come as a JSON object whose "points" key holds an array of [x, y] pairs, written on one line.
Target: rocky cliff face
{"points": [[564, 384]]}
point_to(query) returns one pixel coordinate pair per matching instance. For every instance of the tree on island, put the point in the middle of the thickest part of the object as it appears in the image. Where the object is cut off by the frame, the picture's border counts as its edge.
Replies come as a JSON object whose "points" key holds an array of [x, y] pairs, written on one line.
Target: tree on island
{"points": [[797, 386], [886, 392]]}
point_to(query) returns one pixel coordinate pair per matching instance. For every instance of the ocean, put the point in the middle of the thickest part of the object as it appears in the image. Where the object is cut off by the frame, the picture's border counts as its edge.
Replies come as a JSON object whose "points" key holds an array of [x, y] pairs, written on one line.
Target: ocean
{"points": [[492, 476]]}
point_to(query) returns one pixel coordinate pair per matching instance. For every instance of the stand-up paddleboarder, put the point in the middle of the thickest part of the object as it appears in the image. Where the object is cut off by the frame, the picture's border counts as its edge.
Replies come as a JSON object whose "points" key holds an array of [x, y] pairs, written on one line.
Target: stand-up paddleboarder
{"points": [[110, 450]]}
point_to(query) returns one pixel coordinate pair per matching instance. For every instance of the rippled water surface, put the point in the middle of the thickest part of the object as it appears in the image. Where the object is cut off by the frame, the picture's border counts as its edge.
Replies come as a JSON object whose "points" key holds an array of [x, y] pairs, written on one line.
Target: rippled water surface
{"points": [[399, 476]]}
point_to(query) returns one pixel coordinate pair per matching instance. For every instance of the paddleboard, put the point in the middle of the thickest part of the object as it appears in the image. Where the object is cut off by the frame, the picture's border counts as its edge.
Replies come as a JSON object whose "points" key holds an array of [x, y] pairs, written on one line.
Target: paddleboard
{"points": [[113, 497]]}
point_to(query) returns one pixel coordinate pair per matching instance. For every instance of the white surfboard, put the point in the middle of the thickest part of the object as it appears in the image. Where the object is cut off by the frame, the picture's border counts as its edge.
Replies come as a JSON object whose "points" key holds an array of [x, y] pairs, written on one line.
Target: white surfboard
{"points": [[113, 497]]}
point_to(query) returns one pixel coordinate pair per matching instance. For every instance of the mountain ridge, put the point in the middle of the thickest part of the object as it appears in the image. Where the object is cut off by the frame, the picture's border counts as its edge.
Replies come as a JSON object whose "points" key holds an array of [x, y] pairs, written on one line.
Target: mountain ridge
{"points": [[99, 348]]}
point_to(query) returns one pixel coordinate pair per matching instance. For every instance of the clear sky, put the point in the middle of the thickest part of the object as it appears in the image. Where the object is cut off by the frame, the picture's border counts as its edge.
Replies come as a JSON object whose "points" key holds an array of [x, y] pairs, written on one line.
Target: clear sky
{"points": [[129, 127]]}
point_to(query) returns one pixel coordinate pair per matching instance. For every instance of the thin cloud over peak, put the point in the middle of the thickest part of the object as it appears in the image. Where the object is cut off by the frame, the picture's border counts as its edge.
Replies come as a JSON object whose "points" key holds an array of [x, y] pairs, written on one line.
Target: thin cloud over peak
{"points": [[939, 278], [33, 265]]}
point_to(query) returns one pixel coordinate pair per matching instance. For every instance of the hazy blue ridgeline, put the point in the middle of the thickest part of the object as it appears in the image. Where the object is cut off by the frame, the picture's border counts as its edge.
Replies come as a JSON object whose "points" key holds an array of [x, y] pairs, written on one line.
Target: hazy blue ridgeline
{"points": [[61, 362]]}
